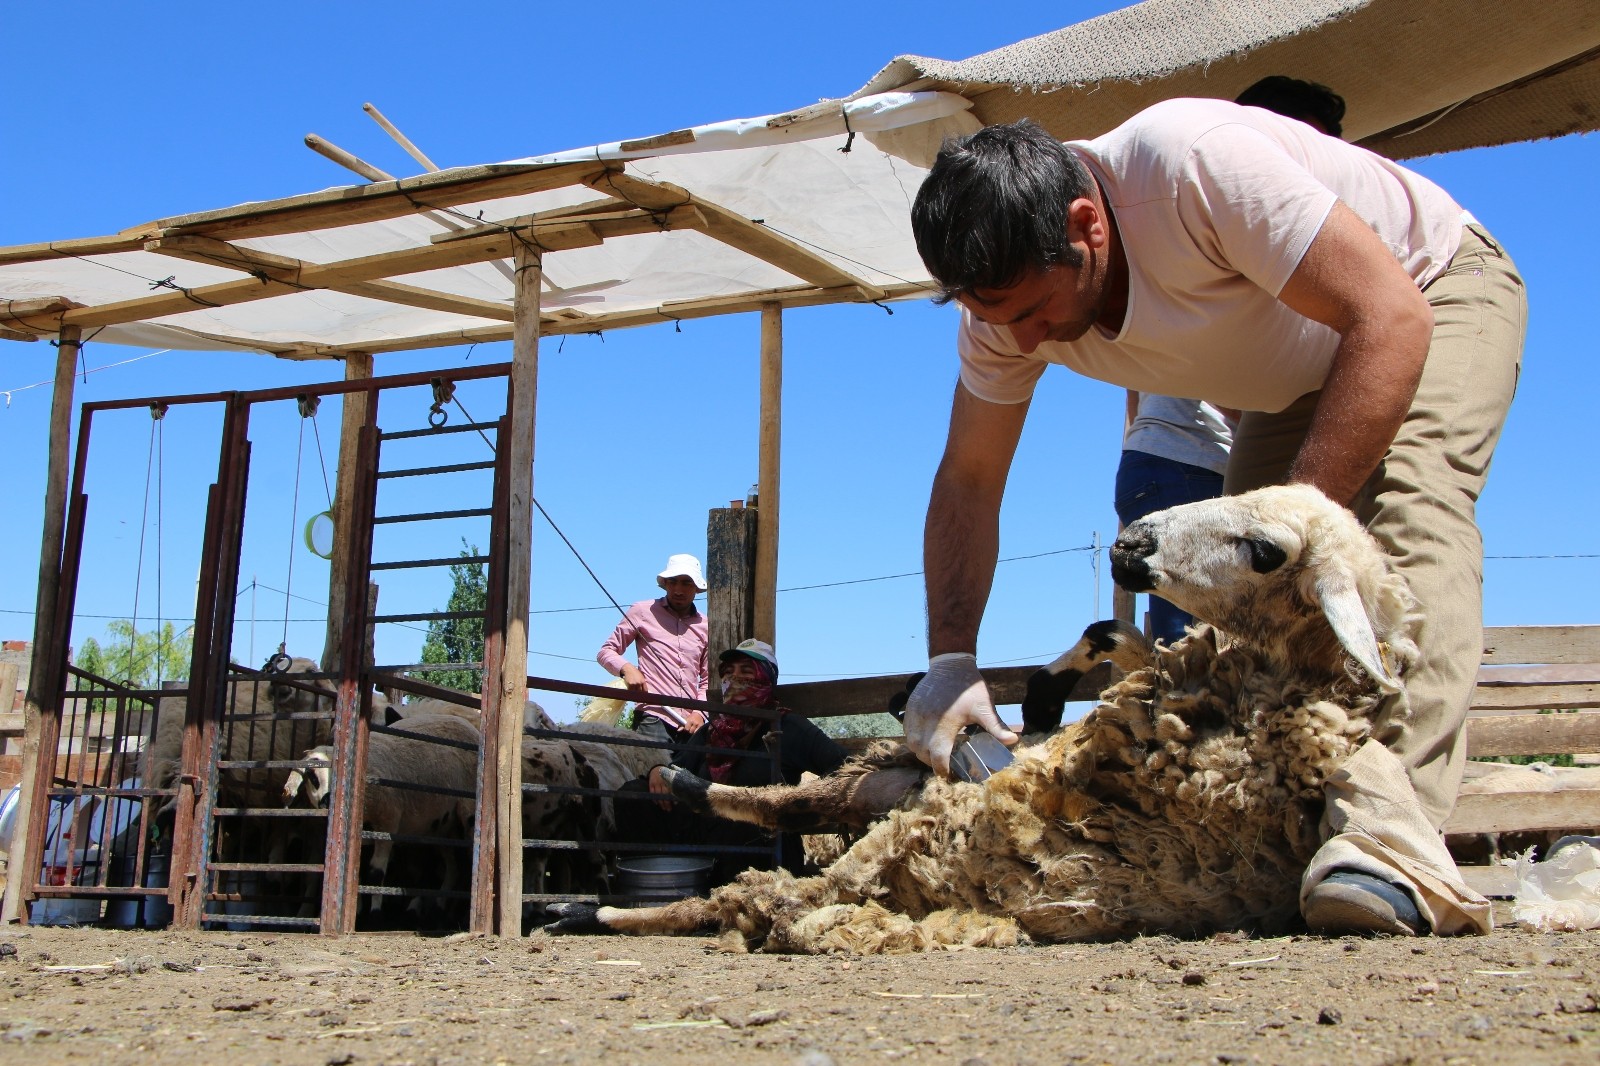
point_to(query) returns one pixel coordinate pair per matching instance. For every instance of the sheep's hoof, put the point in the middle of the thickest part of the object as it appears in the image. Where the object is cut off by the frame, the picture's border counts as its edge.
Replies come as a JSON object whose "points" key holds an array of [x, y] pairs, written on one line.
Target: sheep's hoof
{"points": [[574, 919], [687, 788]]}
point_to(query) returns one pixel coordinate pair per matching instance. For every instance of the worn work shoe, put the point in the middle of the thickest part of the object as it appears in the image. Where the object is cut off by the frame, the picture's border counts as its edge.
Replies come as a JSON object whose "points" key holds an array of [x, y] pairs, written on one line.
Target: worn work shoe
{"points": [[1351, 902]]}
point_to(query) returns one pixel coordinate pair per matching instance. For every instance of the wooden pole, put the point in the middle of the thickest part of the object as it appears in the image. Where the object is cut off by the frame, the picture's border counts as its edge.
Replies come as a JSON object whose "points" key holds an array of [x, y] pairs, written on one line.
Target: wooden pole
{"points": [[399, 138], [357, 366], [46, 656], [765, 620], [513, 678], [730, 577]]}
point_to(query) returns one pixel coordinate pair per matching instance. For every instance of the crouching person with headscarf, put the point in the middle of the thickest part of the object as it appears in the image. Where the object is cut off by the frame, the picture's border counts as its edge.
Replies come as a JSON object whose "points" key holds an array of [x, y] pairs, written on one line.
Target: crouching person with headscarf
{"points": [[738, 755]]}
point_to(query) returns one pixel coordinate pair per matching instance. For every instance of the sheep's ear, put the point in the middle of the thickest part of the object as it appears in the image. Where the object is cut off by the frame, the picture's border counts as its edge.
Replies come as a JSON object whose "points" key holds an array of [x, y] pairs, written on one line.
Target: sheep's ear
{"points": [[1341, 604]]}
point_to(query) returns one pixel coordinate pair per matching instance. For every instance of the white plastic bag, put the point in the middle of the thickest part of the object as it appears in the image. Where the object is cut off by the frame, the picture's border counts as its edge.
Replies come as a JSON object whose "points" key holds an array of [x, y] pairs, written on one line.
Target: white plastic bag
{"points": [[1562, 893]]}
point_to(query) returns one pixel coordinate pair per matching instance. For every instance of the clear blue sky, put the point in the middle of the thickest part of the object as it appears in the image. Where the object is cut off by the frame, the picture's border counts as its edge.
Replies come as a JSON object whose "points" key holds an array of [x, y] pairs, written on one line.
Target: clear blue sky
{"points": [[125, 114]]}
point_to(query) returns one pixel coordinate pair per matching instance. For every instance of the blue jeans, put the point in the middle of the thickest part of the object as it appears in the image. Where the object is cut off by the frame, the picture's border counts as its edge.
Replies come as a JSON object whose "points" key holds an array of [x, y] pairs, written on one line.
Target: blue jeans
{"points": [[1148, 483]]}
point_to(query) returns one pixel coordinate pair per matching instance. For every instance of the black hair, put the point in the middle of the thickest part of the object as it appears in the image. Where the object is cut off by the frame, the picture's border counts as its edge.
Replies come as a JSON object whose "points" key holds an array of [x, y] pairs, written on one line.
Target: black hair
{"points": [[995, 205], [1304, 100]]}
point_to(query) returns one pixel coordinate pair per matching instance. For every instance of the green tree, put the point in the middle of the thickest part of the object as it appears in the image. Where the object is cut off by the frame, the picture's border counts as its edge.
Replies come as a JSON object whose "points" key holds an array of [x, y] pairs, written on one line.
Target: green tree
{"points": [[143, 660], [459, 640], [860, 725]]}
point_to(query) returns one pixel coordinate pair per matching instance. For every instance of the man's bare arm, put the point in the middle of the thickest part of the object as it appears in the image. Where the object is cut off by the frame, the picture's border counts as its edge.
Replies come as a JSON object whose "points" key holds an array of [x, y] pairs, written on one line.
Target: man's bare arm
{"points": [[1351, 282], [961, 541]]}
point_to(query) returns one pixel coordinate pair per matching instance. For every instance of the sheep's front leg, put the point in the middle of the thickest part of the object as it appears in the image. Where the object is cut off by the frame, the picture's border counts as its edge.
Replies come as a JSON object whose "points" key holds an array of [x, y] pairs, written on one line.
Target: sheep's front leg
{"points": [[672, 919], [849, 800], [1051, 686]]}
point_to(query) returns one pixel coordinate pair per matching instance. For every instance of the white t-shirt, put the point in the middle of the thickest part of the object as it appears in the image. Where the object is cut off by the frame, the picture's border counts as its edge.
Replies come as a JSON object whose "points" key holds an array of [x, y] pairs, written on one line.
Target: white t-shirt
{"points": [[1185, 431], [1216, 205]]}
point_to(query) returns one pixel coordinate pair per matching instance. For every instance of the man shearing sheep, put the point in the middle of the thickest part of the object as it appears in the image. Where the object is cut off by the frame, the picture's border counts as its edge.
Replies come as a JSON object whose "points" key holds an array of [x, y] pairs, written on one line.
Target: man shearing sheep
{"points": [[1367, 327]]}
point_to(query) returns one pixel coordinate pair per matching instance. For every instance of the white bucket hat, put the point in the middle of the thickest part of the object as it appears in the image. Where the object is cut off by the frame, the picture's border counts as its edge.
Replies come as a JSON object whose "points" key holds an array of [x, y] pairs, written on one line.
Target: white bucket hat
{"points": [[683, 566]]}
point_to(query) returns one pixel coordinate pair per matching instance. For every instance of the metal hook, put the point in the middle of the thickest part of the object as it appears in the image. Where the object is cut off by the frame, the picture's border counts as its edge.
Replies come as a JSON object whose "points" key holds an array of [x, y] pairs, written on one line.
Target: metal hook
{"points": [[278, 663], [443, 392]]}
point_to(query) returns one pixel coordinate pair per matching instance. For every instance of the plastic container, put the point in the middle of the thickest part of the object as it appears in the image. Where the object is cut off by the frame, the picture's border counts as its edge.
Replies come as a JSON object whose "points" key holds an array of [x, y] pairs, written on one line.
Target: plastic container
{"points": [[653, 879]]}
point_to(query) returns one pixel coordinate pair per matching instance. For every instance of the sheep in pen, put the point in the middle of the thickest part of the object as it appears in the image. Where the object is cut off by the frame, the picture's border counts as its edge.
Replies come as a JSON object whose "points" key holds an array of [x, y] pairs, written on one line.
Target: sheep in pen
{"points": [[1187, 801]]}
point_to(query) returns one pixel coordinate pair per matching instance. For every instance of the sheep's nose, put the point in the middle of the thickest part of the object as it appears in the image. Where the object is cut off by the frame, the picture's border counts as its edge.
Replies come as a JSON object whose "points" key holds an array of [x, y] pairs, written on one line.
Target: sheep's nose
{"points": [[1130, 555]]}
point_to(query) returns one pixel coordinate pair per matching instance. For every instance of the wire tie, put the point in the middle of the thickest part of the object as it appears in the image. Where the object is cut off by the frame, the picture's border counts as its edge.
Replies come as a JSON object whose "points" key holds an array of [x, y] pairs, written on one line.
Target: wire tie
{"points": [[844, 113], [886, 308]]}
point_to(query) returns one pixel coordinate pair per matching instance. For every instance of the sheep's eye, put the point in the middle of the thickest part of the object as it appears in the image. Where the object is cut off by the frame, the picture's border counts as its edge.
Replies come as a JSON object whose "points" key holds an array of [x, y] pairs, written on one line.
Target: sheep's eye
{"points": [[1265, 556]]}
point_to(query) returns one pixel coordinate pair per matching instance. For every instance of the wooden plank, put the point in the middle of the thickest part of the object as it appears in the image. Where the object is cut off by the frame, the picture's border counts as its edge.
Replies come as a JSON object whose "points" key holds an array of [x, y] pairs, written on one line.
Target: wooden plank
{"points": [[733, 229], [1535, 697], [1496, 882], [490, 245], [11, 722], [380, 201], [557, 323], [284, 268], [1503, 812], [129, 240], [1533, 734], [41, 315], [870, 695], [764, 609], [1541, 644]]}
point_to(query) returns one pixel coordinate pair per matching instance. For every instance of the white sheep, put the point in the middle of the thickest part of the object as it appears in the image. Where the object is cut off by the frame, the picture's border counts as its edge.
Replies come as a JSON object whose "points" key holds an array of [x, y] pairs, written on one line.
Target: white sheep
{"points": [[269, 734], [1187, 801], [399, 811]]}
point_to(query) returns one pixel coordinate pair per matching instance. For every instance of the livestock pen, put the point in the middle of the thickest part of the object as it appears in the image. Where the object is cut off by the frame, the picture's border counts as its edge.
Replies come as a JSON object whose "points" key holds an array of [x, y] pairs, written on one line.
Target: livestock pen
{"points": [[190, 777]]}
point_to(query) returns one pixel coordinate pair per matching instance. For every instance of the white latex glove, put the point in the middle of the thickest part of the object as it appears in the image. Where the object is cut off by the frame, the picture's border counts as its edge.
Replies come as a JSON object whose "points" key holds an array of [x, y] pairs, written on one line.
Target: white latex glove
{"points": [[950, 697]]}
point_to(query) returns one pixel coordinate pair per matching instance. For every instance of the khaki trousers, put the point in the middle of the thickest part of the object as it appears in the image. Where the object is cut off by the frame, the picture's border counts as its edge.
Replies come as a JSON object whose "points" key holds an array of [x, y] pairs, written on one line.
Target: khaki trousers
{"points": [[1420, 501]]}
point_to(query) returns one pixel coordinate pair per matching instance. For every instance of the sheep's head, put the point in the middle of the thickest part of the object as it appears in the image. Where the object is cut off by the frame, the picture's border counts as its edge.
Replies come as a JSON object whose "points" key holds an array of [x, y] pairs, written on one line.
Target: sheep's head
{"points": [[314, 781], [1281, 568], [294, 697]]}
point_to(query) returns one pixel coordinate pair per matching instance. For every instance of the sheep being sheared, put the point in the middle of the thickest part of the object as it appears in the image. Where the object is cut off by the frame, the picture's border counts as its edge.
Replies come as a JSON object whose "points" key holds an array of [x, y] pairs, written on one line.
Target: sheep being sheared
{"points": [[1187, 801]]}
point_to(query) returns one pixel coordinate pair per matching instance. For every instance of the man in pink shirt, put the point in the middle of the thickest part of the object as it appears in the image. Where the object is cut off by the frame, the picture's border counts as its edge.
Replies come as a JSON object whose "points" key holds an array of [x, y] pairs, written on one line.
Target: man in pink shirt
{"points": [[670, 637], [1368, 329]]}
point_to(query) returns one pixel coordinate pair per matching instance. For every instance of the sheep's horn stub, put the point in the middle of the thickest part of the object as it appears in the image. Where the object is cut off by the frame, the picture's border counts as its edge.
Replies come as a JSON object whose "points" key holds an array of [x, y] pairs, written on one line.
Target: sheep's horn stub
{"points": [[1130, 554], [580, 919]]}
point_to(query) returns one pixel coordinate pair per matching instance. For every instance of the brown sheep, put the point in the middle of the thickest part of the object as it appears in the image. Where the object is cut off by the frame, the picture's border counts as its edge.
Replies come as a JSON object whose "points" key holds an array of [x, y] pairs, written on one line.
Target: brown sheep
{"points": [[1187, 801]]}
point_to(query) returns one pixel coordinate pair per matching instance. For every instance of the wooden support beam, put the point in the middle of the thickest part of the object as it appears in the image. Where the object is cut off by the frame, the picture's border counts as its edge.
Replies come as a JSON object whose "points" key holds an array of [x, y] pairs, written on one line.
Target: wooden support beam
{"points": [[557, 323], [730, 579], [494, 245], [355, 413], [287, 269], [734, 230], [769, 452], [129, 240], [44, 674], [513, 679], [39, 316], [380, 201]]}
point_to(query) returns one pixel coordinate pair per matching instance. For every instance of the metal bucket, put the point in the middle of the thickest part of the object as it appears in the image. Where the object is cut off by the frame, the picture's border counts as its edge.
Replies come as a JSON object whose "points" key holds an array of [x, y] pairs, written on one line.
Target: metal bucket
{"points": [[652, 879]]}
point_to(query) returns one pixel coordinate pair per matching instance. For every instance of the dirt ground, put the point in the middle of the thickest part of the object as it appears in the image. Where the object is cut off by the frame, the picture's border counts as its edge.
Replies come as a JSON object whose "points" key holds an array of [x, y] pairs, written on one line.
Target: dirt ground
{"points": [[108, 996]]}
